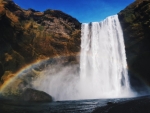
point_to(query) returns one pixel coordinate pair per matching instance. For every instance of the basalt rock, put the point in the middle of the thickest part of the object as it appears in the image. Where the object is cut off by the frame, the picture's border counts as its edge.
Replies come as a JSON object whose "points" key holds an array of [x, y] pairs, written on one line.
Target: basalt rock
{"points": [[31, 95]]}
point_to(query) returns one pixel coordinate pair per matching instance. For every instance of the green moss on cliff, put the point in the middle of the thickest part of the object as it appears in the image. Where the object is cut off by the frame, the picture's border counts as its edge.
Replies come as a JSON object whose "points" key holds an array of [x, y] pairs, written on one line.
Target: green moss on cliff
{"points": [[135, 21]]}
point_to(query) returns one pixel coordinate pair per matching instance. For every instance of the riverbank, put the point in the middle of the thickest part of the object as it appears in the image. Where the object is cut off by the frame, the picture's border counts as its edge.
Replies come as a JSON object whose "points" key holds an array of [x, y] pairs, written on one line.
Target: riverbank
{"points": [[124, 105], [139, 105]]}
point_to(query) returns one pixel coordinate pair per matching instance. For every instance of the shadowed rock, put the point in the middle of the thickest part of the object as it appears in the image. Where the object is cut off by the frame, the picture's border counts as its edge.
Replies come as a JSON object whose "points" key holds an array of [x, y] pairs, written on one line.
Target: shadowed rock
{"points": [[136, 28], [31, 95]]}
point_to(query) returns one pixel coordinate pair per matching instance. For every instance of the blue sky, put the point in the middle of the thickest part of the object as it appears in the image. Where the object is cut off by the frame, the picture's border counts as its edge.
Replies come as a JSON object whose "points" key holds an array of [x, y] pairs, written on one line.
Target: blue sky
{"points": [[84, 10]]}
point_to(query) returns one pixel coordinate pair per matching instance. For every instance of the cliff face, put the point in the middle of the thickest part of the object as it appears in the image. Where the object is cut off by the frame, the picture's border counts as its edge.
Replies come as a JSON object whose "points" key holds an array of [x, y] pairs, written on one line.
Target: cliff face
{"points": [[135, 21], [29, 35]]}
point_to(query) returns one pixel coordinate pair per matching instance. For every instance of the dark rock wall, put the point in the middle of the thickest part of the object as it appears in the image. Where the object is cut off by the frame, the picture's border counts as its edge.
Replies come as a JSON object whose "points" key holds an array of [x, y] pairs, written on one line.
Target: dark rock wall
{"points": [[135, 21]]}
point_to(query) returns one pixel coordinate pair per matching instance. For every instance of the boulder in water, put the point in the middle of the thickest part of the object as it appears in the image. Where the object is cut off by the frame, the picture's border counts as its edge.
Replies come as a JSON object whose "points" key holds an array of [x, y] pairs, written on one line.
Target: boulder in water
{"points": [[32, 95], [110, 103]]}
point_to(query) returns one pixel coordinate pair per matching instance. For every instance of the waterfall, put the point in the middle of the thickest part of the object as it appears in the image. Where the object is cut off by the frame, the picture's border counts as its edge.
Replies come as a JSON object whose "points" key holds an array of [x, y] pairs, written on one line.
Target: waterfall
{"points": [[103, 68], [103, 60]]}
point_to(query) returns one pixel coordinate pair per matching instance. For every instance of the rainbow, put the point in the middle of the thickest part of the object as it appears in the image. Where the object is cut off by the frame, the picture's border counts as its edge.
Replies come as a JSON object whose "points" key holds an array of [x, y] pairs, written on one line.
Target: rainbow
{"points": [[14, 75], [29, 66]]}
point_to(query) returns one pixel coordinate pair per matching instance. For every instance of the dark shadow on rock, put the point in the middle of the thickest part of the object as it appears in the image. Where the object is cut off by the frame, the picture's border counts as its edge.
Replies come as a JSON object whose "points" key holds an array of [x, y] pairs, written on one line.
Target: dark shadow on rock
{"points": [[1, 70]]}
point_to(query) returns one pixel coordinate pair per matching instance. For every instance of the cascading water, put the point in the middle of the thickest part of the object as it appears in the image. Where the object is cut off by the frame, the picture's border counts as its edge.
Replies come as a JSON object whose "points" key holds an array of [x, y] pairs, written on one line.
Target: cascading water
{"points": [[103, 60], [103, 68]]}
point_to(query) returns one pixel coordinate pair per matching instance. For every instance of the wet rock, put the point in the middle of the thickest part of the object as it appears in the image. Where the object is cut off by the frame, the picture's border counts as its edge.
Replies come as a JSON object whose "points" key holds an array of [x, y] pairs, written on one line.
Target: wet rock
{"points": [[32, 95], [110, 103]]}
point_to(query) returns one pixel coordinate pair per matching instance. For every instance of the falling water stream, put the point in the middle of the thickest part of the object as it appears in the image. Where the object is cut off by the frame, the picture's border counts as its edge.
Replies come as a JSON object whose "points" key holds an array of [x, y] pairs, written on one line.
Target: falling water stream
{"points": [[103, 60]]}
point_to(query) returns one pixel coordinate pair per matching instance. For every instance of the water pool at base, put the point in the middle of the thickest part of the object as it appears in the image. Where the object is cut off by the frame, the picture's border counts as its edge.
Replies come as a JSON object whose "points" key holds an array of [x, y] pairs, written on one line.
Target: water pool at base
{"points": [[78, 106]]}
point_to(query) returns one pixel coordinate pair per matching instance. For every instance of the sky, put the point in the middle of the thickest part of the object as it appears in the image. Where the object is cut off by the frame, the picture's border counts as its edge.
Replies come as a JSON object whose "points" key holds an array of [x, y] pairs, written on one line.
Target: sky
{"points": [[84, 11]]}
